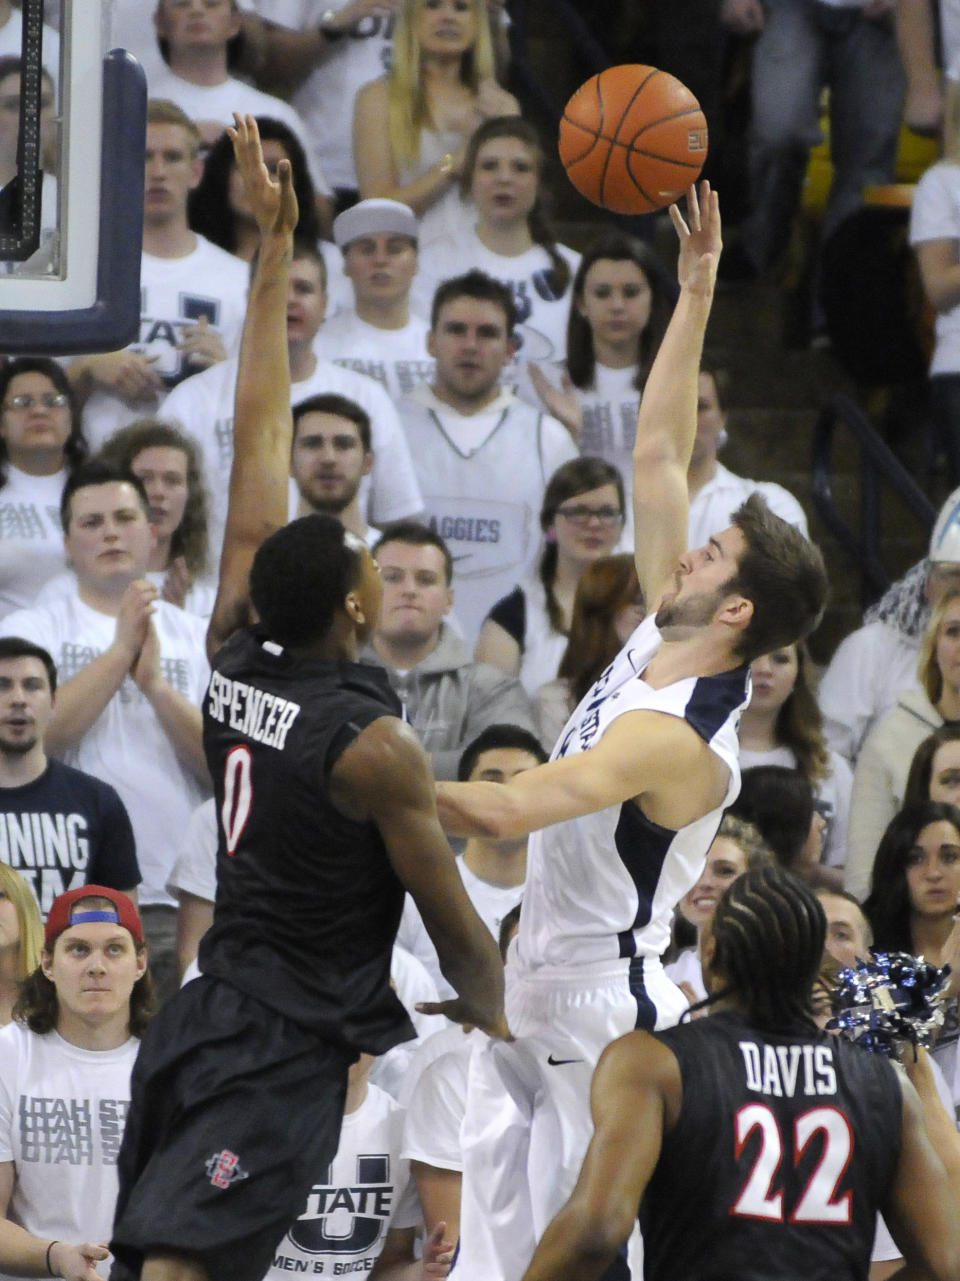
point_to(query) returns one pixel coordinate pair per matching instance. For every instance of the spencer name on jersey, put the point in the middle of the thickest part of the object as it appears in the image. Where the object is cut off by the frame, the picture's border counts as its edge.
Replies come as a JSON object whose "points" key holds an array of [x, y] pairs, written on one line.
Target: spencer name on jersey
{"points": [[789, 1071], [264, 717]]}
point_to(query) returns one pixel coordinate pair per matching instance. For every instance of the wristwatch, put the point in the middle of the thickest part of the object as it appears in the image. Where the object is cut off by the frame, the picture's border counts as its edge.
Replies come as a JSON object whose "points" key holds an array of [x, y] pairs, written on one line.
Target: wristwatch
{"points": [[327, 29]]}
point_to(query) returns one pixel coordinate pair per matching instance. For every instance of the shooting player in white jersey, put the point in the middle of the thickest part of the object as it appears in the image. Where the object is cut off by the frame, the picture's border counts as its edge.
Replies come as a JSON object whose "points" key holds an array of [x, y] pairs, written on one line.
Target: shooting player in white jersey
{"points": [[625, 810]]}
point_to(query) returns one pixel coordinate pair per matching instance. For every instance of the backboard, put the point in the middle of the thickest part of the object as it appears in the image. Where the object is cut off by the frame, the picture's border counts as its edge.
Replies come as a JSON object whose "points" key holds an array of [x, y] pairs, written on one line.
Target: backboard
{"points": [[71, 214]]}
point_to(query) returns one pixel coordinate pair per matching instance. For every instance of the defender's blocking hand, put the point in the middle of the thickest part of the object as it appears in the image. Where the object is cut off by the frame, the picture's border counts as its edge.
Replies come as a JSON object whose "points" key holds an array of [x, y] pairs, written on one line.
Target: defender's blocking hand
{"points": [[274, 204]]}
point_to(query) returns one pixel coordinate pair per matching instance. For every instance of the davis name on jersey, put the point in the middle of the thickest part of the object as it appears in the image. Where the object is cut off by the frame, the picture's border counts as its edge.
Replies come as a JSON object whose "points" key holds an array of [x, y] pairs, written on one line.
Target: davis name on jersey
{"points": [[786, 1070]]}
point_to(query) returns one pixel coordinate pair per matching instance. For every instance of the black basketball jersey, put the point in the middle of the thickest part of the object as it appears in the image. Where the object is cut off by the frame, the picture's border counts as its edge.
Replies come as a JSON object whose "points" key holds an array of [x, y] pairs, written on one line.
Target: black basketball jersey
{"points": [[784, 1151], [307, 904]]}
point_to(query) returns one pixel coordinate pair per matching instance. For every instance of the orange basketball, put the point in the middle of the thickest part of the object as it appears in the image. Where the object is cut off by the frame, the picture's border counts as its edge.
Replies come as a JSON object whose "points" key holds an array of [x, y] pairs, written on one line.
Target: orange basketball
{"points": [[633, 139]]}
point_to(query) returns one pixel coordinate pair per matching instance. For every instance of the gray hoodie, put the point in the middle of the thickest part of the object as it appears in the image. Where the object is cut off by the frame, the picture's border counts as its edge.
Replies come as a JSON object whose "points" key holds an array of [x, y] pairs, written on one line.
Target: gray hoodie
{"points": [[449, 699]]}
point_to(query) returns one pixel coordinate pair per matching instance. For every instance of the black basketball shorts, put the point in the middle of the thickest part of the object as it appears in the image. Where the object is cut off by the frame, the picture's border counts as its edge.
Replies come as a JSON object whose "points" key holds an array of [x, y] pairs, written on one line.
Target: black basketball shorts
{"points": [[235, 1112]]}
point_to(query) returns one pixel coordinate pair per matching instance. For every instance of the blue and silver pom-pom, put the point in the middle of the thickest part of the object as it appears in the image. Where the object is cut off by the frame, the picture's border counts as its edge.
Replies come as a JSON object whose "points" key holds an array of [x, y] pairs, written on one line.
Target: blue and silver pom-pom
{"points": [[894, 998]]}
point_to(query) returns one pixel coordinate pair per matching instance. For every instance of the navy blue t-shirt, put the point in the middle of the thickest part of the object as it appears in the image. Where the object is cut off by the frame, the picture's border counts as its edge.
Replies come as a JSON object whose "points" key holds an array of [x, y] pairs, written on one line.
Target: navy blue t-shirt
{"points": [[65, 829]]}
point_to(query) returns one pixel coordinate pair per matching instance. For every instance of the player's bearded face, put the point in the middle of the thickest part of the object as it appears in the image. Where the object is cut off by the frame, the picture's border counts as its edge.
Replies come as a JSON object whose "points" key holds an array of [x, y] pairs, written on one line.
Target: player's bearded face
{"points": [[685, 612]]}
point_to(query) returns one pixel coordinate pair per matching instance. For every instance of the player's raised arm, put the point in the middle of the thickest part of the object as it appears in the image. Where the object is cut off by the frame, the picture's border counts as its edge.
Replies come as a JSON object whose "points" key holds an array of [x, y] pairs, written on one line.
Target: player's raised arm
{"points": [[642, 754], [262, 424], [667, 423]]}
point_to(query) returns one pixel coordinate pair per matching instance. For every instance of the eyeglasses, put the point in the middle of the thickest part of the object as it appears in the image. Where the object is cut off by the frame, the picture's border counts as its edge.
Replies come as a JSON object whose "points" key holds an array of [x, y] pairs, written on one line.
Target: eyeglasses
{"points": [[581, 514], [49, 400]]}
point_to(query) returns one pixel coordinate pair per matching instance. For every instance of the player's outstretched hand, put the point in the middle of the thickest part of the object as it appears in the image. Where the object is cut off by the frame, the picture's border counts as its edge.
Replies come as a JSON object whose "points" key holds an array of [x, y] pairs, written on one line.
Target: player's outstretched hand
{"points": [[274, 204], [701, 239], [469, 1016], [77, 1262]]}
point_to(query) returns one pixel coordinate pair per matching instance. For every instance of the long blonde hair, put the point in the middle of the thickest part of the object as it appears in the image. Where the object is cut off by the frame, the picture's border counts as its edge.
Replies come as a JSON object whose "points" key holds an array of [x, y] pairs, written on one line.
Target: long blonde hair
{"points": [[928, 669], [29, 921], [408, 112]]}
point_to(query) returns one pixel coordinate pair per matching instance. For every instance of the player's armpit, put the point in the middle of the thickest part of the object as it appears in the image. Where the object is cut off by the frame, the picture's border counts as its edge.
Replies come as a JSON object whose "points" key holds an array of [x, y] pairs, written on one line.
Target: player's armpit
{"points": [[634, 1097], [921, 1210], [643, 754], [384, 777]]}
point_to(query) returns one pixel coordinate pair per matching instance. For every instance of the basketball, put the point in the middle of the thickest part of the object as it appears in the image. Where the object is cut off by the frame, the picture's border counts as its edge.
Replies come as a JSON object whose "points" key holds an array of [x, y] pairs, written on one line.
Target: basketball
{"points": [[633, 139]]}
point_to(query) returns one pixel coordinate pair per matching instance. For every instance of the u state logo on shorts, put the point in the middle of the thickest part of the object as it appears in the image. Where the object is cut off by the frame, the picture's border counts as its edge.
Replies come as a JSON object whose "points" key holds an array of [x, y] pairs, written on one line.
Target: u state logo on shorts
{"points": [[224, 1168]]}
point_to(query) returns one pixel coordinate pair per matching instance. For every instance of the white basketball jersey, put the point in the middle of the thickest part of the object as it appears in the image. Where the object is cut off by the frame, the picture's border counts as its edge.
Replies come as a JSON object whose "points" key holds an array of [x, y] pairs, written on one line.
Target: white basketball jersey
{"points": [[604, 886]]}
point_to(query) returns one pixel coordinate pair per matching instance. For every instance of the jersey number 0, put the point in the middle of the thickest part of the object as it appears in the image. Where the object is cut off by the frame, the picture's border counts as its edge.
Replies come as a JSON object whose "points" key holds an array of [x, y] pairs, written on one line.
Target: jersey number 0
{"points": [[237, 795]]}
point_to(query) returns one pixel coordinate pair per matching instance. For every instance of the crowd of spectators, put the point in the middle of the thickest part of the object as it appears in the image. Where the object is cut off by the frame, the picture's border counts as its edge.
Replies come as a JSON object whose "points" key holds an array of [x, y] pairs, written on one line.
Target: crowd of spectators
{"points": [[465, 391]]}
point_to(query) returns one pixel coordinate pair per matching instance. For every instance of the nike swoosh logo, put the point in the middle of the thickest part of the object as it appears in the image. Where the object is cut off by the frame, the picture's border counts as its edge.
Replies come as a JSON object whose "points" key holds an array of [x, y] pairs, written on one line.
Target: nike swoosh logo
{"points": [[560, 1062]]}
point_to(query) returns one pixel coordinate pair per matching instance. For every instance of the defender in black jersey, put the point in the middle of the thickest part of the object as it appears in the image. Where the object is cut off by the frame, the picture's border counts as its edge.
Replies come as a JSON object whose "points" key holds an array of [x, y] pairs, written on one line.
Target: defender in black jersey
{"points": [[326, 814], [762, 1148]]}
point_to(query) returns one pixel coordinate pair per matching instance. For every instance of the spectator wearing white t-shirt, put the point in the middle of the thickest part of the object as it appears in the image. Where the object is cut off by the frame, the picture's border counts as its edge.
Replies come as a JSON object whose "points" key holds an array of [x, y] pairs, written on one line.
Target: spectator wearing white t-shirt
{"points": [[203, 408], [132, 28], [40, 442], [621, 301], [133, 671], [508, 237], [65, 1066], [493, 872], [332, 452], [379, 335], [194, 41], [168, 463], [193, 295]]}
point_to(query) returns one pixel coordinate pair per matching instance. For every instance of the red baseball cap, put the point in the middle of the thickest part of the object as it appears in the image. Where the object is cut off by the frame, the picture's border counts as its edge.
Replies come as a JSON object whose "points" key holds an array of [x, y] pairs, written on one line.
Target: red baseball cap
{"points": [[63, 914]]}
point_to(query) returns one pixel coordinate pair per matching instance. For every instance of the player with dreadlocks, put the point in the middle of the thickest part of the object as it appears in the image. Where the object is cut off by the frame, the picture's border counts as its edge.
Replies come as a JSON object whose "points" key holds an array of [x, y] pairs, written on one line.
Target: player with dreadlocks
{"points": [[756, 1146]]}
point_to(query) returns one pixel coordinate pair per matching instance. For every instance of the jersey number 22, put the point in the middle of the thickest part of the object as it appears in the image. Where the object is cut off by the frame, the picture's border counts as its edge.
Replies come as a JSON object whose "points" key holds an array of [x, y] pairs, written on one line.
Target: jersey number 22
{"points": [[818, 1203]]}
